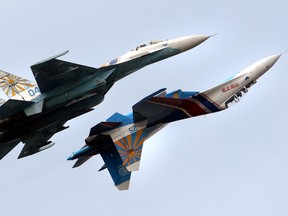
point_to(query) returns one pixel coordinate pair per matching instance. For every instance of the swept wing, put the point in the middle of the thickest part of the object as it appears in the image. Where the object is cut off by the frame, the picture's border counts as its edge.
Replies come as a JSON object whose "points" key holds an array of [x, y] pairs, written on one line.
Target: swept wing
{"points": [[53, 72], [39, 140], [163, 108]]}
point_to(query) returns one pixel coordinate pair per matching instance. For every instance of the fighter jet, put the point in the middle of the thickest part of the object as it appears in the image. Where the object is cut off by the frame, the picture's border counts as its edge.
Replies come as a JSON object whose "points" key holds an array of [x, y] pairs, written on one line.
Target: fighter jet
{"points": [[65, 90], [119, 140]]}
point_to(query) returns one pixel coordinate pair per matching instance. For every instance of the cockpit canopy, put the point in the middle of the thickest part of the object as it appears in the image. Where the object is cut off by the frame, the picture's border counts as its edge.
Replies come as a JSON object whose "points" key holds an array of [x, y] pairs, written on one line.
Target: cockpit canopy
{"points": [[147, 44]]}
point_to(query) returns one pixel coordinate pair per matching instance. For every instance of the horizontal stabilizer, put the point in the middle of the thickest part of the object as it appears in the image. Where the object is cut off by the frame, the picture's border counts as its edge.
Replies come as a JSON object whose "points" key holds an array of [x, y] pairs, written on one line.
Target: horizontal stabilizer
{"points": [[39, 141], [102, 127], [102, 168], [13, 106], [117, 117], [5, 148], [30, 149], [81, 161]]}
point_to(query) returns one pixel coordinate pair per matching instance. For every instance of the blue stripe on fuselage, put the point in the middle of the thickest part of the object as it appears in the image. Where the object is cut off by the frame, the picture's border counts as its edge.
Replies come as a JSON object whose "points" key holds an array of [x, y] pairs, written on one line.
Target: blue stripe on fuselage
{"points": [[206, 103]]}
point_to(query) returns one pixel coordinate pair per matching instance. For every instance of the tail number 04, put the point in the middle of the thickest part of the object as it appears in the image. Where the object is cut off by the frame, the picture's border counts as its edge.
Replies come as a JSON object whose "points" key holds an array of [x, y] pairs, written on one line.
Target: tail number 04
{"points": [[33, 91]]}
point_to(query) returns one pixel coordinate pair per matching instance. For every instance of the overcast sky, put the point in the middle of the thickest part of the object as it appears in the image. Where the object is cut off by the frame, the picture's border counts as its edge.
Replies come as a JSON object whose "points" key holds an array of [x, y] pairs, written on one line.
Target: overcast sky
{"points": [[229, 163]]}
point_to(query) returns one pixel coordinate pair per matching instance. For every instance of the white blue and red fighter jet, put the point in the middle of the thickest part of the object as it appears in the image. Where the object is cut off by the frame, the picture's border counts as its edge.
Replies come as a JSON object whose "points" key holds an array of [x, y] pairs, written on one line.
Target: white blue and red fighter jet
{"points": [[120, 139]]}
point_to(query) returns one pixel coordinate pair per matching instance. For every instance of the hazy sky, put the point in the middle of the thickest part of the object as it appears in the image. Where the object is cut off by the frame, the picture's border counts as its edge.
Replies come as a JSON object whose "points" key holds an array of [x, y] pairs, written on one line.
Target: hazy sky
{"points": [[229, 163]]}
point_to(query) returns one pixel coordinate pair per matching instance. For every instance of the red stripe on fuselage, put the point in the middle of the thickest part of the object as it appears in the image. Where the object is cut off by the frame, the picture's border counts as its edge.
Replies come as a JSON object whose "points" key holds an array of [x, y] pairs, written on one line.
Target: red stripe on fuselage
{"points": [[188, 106]]}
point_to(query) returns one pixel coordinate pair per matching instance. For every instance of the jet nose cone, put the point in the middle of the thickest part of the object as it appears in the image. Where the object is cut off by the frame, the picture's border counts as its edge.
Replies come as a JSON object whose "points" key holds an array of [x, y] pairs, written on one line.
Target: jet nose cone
{"points": [[187, 43], [271, 60], [260, 67]]}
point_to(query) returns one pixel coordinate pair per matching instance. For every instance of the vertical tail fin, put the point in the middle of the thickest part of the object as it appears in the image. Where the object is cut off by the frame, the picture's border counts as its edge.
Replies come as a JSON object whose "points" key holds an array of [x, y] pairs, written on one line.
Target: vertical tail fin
{"points": [[130, 149], [18, 88], [119, 173]]}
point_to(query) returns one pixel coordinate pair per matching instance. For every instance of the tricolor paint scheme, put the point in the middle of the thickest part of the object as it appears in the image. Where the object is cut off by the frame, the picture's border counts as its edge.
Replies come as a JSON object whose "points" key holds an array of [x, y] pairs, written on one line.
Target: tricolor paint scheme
{"points": [[65, 90], [120, 139]]}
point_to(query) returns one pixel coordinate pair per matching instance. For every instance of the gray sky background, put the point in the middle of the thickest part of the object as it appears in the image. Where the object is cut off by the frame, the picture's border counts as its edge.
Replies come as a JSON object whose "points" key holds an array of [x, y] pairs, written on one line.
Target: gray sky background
{"points": [[229, 163]]}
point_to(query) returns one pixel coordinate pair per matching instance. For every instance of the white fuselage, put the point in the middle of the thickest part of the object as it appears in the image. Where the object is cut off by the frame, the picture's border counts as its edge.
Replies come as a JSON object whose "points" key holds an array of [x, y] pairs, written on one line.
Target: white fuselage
{"points": [[242, 81], [222, 95]]}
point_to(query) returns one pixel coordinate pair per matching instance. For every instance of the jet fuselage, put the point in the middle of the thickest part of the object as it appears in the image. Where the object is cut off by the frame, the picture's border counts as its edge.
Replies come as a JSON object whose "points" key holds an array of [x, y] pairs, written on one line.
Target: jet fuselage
{"points": [[72, 99], [184, 104], [99, 83]]}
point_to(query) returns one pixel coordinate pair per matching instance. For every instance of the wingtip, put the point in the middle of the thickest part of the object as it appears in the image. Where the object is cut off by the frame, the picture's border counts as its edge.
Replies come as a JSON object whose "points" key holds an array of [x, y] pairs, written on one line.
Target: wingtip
{"points": [[102, 168], [75, 165], [51, 58]]}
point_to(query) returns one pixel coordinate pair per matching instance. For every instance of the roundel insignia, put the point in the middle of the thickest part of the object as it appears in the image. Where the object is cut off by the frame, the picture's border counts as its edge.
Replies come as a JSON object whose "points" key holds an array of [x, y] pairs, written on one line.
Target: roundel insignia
{"points": [[122, 171]]}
